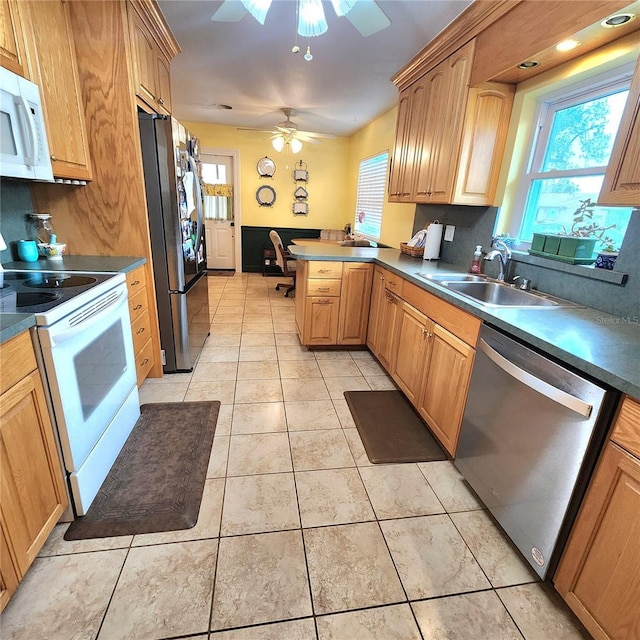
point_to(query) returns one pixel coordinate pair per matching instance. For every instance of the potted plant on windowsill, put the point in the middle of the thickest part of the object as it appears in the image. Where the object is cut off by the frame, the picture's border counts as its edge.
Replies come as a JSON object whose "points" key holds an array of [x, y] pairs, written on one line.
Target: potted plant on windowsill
{"points": [[577, 244], [607, 257]]}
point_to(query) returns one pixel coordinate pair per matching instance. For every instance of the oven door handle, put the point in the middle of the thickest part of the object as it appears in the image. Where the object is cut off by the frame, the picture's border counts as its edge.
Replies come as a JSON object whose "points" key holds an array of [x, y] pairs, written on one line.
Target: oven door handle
{"points": [[548, 390], [90, 317]]}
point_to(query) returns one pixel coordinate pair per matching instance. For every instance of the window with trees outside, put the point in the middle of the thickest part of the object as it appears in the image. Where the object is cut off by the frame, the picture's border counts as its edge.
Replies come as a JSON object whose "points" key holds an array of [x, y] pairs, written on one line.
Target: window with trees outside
{"points": [[569, 156], [372, 184]]}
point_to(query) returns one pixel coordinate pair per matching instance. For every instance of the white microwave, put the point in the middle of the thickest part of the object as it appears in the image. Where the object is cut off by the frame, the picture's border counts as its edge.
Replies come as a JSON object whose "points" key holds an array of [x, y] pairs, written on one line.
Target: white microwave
{"points": [[24, 152]]}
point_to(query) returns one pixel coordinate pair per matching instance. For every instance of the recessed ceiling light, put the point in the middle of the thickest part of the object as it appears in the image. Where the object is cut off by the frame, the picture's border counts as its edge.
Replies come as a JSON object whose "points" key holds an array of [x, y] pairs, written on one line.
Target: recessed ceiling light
{"points": [[618, 20], [528, 64], [567, 45]]}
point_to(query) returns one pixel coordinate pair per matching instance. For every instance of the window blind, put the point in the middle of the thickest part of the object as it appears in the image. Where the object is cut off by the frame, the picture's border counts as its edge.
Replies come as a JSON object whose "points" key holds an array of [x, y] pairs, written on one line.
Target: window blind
{"points": [[372, 184]]}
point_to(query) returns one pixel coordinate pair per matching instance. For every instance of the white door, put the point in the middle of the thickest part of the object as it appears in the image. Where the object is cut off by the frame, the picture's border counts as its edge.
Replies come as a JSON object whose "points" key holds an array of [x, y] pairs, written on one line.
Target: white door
{"points": [[217, 174], [220, 244]]}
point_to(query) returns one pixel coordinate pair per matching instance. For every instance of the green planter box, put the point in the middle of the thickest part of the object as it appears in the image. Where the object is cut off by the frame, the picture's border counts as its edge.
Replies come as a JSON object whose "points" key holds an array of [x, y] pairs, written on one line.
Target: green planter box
{"points": [[565, 248], [571, 247], [552, 244]]}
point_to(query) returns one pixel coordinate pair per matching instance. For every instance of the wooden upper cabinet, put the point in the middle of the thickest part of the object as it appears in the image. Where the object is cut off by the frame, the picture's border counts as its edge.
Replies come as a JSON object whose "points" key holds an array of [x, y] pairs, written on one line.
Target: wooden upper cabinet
{"points": [[54, 68], [483, 142], [399, 184], [12, 39], [456, 135], [153, 48], [621, 184]]}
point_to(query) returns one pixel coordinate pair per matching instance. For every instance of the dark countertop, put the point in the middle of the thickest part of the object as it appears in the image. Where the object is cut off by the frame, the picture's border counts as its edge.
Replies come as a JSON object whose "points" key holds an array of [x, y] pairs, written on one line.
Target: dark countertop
{"points": [[89, 264], [12, 324], [598, 344]]}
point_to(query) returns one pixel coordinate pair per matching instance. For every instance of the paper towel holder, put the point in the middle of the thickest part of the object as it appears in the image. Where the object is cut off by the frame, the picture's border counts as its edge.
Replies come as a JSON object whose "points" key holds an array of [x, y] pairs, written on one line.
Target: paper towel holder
{"points": [[433, 241]]}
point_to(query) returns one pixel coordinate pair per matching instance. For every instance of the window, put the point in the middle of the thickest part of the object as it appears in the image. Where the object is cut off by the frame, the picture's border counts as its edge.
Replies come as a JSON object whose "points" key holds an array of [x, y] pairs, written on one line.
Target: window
{"points": [[216, 170], [570, 153], [372, 181]]}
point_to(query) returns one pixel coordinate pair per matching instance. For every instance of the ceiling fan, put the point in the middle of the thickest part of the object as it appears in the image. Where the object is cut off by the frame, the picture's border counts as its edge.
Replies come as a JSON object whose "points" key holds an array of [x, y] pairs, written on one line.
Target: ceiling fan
{"points": [[287, 133], [365, 15]]}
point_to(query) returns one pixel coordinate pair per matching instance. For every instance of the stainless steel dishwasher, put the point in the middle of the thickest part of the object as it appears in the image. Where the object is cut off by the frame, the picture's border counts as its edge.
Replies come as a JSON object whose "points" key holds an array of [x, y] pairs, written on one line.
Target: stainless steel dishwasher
{"points": [[530, 435]]}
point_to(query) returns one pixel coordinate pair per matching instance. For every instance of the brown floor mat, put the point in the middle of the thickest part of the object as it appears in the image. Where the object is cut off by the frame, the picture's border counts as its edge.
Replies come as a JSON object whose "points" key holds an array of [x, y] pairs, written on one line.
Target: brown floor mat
{"points": [[157, 480], [390, 429]]}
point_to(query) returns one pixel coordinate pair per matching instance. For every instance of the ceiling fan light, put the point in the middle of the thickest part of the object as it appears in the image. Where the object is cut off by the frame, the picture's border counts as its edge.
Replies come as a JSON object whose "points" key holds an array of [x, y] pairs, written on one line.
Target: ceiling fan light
{"points": [[278, 143], [342, 7], [296, 145], [257, 8], [311, 20]]}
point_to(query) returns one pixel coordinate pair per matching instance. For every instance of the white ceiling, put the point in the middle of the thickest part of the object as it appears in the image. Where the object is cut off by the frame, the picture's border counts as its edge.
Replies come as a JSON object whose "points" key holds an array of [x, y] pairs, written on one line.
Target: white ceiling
{"points": [[251, 67]]}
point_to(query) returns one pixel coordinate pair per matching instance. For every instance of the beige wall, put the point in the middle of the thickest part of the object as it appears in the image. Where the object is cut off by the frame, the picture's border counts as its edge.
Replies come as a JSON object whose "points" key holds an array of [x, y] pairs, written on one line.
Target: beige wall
{"points": [[333, 177], [378, 136], [327, 163]]}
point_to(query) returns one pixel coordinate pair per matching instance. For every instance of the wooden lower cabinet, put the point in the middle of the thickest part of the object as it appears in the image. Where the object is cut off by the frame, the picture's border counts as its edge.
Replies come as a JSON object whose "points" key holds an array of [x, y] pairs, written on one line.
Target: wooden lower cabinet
{"points": [[332, 302], [377, 294], [355, 298], [598, 575], [32, 490], [140, 323], [387, 322], [321, 321], [445, 384], [412, 348]]}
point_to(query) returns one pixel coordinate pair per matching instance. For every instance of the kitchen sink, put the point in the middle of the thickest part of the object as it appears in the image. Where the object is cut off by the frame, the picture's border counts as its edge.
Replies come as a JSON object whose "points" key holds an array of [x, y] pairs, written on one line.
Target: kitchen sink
{"points": [[499, 294], [493, 293], [451, 277]]}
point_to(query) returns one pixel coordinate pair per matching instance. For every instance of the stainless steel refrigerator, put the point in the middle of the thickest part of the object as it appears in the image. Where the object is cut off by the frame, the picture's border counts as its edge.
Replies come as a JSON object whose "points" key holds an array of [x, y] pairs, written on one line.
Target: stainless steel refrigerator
{"points": [[174, 202]]}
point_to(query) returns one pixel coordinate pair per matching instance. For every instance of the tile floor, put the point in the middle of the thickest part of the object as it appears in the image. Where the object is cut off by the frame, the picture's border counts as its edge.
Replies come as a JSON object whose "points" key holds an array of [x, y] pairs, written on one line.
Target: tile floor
{"points": [[299, 536]]}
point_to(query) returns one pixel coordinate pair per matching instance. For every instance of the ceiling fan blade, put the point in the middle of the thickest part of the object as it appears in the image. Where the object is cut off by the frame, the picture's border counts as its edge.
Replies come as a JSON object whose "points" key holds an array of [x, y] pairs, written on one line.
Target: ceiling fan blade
{"points": [[230, 11], [254, 129], [315, 134], [367, 17]]}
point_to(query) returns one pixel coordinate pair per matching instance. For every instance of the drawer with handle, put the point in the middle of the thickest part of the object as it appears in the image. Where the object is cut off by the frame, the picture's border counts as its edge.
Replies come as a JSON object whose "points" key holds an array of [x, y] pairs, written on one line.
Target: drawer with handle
{"points": [[141, 330], [329, 270], [144, 361], [137, 304], [135, 280], [320, 287]]}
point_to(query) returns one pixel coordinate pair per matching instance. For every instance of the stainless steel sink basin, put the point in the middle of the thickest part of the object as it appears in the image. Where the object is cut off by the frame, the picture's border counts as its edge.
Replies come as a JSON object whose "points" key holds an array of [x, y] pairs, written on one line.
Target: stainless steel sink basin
{"points": [[451, 277], [498, 294]]}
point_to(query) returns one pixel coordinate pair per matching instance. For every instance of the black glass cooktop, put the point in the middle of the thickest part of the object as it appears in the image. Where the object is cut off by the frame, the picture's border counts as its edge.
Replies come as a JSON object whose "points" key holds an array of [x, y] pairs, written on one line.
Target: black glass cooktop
{"points": [[40, 291]]}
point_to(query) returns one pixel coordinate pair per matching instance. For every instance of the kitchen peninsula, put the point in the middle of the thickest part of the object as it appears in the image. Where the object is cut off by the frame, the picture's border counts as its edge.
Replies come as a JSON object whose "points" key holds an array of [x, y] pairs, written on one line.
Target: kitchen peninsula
{"points": [[590, 340]]}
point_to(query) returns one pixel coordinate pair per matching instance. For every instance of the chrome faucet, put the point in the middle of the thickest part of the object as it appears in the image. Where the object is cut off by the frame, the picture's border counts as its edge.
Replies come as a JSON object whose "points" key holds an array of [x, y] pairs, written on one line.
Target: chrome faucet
{"points": [[503, 253]]}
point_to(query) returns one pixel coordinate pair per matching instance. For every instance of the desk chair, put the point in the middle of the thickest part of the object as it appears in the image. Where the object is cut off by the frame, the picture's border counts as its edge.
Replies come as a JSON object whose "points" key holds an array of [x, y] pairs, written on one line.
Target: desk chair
{"points": [[285, 261]]}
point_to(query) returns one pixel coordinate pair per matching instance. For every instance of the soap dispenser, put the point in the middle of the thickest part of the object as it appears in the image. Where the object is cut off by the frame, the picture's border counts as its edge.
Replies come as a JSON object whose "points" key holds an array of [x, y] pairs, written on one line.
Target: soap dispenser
{"points": [[476, 262]]}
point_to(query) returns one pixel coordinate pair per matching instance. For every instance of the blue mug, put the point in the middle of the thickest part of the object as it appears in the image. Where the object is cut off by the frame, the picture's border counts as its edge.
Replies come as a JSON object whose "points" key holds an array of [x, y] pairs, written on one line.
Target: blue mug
{"points": [[27, 250]]}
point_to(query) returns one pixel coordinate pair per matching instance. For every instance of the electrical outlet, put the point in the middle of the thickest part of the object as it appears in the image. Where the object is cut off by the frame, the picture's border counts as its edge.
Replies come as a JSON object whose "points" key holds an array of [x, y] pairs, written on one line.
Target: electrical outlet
{"points": [[448, 232]]}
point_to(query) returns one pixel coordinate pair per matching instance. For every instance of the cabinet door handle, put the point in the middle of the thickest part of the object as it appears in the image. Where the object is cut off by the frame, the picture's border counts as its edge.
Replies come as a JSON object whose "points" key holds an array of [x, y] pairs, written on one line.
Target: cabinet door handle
{"points": [[391, 298], [135, 283], [140, 330], [426, 333], [323, 302], [392, 284], [381, 277], [161, 101], [323, 289], [324, 270], [137, 307], [144, 362]]}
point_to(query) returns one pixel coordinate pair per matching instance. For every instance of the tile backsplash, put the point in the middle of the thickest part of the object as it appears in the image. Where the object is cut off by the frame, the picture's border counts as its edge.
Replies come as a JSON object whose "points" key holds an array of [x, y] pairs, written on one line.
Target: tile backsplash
{"points": [[475, 225], [15, 204]]}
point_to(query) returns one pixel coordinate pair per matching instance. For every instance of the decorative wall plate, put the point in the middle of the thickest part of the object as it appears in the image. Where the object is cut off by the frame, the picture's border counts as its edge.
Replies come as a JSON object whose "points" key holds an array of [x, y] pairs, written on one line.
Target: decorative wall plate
{"points": [[301, 193], [300, 208], [266, 195], [266, 167], [301, 174]]}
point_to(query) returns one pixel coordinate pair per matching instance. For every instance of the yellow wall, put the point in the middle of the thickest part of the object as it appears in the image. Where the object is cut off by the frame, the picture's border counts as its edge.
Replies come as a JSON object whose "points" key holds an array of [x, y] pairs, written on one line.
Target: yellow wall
{"points": [[524, 111], [378, 136], [333, 177], [327, 163]]}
